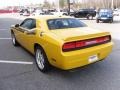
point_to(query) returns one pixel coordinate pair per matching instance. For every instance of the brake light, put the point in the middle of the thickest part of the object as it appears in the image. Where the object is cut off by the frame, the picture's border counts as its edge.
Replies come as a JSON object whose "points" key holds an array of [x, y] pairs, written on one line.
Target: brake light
{"points": [[70, 45], [85, 43], [103, 39], [80, 44]]}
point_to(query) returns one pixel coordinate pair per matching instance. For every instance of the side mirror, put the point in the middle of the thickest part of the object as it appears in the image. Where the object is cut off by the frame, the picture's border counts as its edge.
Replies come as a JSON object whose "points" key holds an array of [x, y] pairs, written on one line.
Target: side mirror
{"points": [[17, 25]]}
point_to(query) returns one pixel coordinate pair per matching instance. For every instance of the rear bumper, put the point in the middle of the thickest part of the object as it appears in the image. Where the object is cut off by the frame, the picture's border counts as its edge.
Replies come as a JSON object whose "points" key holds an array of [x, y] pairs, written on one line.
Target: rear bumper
{"points": [[105, 19], [74, 59]]}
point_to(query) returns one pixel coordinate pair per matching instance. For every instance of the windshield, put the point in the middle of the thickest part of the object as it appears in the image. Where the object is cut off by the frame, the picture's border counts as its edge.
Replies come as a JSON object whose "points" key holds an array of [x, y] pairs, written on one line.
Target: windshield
{"points": [[63, 23], [107, 11]]}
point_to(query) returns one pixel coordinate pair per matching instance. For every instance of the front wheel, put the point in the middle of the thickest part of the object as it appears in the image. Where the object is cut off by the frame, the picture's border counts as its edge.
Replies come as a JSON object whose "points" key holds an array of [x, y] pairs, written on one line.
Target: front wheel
{"points": [[14, 41], [41, 60]]}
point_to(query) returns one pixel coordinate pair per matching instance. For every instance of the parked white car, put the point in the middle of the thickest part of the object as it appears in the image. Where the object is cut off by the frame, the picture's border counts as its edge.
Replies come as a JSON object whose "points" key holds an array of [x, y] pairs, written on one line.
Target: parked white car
{"points": [[26, 13], [116, 12], [37, 13]]}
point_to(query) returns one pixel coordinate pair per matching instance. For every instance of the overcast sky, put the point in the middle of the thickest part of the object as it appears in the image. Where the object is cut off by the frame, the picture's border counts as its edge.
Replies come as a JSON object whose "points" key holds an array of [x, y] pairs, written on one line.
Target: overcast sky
{"points": [[21, 2]]}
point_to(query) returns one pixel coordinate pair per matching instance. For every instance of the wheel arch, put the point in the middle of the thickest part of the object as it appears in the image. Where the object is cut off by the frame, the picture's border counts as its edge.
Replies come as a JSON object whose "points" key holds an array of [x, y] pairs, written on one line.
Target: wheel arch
{"points": [[41, 47], [37, 45], [12, 31]]}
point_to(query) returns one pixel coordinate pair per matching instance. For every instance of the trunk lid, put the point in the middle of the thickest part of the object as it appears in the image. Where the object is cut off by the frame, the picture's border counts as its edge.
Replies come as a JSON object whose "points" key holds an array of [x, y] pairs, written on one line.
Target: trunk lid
{"points": [[74, 34]]}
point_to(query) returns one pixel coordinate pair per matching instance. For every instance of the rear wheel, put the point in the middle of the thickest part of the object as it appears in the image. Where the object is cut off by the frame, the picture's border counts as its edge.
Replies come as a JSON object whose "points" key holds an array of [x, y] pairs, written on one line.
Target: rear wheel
{"points": [[97, 21], [76, 16], [14, 41], [111, 20], [90, 17], [41, 60]]}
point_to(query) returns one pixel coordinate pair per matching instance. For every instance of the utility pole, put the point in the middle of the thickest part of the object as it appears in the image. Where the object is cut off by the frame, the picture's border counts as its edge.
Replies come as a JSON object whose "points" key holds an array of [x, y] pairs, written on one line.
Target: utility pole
{"points": [[112, 4], [58, 5], [116, 2], [68, 1]]}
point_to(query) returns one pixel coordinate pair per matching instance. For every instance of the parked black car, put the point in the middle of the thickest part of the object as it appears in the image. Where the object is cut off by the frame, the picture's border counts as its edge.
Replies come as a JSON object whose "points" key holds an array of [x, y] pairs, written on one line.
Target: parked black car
{"points": [[105, 15], [21, 12], [85, 13], [24, 12]]}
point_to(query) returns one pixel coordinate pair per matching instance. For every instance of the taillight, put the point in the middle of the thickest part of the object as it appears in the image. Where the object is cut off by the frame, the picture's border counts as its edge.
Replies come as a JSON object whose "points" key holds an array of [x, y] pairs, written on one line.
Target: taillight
{"points": [[70, 45], [80, 43], [85, 43], [103, 39]]}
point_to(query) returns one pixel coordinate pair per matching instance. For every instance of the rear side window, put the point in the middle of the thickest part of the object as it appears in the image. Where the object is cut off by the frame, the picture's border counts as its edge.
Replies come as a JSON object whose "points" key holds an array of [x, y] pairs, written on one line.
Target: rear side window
{"points": [[63, 23]]}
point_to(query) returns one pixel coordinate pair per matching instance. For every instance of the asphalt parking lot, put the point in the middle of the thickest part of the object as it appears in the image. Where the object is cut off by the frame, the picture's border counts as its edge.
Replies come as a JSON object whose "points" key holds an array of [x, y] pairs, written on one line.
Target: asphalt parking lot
{"points": [[18, 70]]}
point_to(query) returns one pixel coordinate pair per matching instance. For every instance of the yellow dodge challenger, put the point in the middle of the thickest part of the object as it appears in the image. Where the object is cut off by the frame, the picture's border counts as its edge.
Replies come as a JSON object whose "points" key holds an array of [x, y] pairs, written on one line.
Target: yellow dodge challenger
{"points": [[61, 41]]}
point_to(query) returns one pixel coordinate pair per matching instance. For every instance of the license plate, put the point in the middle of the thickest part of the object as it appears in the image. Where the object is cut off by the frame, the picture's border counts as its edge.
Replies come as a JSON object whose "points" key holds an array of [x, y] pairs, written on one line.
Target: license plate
{"points": [[93, 58], [104, 18]]}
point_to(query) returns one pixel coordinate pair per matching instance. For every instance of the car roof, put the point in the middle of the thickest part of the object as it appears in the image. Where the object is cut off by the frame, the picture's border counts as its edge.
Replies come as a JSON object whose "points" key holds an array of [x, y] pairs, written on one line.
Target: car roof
{"points": [[46, 17]]}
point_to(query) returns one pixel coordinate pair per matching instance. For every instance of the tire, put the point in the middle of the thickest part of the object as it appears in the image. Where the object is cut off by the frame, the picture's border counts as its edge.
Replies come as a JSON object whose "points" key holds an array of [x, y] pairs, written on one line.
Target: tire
{"points": [[41, 60], [90, 17], [14, 41], [65, 14], [75, 15], [97, 21], [111, 20]]}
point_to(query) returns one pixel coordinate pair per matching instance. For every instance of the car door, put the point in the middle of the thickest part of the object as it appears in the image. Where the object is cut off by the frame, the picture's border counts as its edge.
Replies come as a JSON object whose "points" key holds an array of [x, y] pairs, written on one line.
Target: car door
{"points": [[19, 31], [22, 28], [81, 13], [29, 34]]}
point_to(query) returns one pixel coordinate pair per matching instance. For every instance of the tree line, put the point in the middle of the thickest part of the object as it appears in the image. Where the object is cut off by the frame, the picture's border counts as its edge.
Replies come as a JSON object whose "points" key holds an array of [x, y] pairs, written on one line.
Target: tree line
{"points": [[84, 4]]}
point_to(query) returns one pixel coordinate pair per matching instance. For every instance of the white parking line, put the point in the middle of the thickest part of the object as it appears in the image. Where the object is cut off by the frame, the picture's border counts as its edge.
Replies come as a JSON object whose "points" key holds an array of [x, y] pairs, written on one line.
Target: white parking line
{"points": [[5, 38], [15, 62]]}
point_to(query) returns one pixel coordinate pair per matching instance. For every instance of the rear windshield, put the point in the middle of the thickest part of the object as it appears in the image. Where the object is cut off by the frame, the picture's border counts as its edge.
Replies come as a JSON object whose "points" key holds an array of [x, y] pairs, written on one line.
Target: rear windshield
{"points": [[63, 23], [105, 11]]}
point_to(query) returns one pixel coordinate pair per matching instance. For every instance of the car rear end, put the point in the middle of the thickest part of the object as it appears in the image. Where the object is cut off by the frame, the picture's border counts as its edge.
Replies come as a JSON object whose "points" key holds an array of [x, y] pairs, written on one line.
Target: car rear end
{"points": [[80, 53], [105, 15], [78, 46], [81, 50]]}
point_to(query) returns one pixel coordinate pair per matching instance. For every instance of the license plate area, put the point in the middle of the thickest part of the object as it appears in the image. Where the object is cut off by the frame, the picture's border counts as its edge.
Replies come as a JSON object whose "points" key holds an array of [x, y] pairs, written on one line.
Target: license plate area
{"points": [[93, 58], [103, 18]]}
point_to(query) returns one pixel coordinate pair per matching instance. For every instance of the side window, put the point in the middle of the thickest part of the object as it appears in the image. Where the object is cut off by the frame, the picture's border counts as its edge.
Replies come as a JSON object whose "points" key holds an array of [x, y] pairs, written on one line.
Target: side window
{"points": [[29, 24], [26, 24], [33, 25]]}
